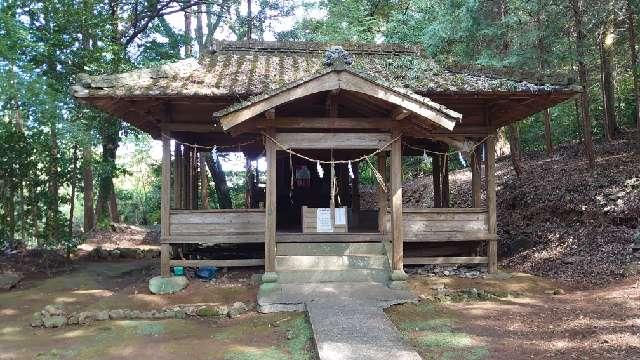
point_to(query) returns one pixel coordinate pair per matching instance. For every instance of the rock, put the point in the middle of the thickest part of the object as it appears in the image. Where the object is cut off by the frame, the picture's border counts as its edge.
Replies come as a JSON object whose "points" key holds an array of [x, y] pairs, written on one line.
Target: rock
{"points": [[218, 310], [548, 292], [54, 321], [167, 285], [53, 310], [437, 287], [9, 280], [101, 315], [500, 275], [85, 318], [147, 315], [134, 314], [558, 292], [117, 314], [36, 319], [179, 314], [237, 309], [73, 319]]}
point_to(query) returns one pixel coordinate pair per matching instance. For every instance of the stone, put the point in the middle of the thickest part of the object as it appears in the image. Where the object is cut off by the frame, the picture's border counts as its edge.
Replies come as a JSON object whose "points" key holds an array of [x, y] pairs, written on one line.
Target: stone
{"points": [[269, 277], [147, 315], [500, 275], [439, 286], [9, 280], [53, 310], [179, 314], [558, 292], [54, 321], [73, 320], [85, 318], [160, 285], [101, 315], [217, 310], [238, 308], [134, 314], [399, 275], [36, 319], [117, 314]]}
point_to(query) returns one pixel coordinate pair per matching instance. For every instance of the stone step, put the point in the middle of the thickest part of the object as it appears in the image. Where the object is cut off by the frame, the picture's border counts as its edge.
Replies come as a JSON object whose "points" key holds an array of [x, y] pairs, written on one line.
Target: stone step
{"points": [[331, 262], [308, 249], [323, 276]]}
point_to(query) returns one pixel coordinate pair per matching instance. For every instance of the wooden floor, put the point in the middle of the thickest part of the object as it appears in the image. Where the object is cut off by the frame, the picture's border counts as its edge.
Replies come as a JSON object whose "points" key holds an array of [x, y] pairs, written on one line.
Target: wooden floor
{"points": [[287, 237]]}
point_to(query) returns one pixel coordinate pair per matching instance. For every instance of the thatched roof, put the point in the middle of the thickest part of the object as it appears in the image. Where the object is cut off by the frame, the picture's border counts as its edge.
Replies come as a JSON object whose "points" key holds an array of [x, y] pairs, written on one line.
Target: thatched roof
{"points": [[242, 69]]}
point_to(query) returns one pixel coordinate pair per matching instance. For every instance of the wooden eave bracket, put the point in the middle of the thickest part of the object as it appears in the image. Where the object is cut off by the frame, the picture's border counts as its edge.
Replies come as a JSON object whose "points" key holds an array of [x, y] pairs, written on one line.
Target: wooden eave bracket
{"points": [[407, 102]]}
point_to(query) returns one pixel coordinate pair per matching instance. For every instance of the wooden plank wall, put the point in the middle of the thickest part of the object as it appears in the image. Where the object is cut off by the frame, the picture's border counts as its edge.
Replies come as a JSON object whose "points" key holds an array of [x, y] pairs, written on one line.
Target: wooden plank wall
{"points": [[217, 226]]}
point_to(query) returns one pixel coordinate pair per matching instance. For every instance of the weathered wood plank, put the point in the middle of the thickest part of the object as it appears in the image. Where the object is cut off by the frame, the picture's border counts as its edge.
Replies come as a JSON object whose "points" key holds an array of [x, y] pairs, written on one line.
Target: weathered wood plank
{"points": [[270, 204], [396, 201], [218, 263], [491, 202], [445, 260], [286, 122], [328, 237], [333, 140], [206, 239], [165, 205]]}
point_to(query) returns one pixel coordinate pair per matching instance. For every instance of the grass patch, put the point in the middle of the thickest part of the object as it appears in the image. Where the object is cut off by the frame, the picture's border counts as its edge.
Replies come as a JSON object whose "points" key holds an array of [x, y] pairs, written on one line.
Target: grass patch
{"points": [[300, 343], [440, 325]]}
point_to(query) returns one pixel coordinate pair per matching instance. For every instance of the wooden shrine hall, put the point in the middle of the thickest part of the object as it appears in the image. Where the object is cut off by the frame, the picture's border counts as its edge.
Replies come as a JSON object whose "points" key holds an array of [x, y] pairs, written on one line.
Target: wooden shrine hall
{"points": [[317, 114]]}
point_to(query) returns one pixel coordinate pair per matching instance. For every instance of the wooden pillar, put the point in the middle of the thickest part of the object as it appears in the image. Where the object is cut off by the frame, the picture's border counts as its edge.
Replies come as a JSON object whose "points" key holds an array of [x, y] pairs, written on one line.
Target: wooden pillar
{"points": [[444, 171], [184, 178], [476, 177], [165, 229], [436, 171], [249, 183], [270, 205], [396, 201], [177, 175], [204, 183], [491, 201], [382, 195]]}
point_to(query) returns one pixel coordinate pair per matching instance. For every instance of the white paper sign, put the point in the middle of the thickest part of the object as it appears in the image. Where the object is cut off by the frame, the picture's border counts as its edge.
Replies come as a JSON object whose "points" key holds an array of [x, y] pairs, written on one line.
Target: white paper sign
{"points": [[341, 216], [323, 220]]}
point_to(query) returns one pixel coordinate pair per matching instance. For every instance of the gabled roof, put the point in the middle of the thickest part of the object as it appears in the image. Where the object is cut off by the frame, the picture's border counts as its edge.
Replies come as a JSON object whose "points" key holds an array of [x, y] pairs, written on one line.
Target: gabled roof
{"points": [[244, 69], [338, 77]]}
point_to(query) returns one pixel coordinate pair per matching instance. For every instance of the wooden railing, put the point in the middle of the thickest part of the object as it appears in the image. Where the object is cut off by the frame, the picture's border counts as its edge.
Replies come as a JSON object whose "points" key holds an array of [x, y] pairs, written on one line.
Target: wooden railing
{"points": [[216, 226]]}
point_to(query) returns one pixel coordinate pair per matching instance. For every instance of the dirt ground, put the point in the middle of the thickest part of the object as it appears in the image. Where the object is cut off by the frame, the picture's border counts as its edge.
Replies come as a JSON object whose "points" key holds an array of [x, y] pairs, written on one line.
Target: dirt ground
{"points": [[123, 284], [599, 323]]}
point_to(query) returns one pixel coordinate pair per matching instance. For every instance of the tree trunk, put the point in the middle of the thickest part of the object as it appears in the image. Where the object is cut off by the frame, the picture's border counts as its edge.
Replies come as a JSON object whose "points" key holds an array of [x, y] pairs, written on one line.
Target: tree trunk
{"points": [[577, 8], [110, 134], [87, 182], [220, 181], [633, 53], [187, 34], [249, 20], [607, 77], [249, 181], [51, 225], [542, 51], [513, 135], [72, 201], [199, 30], [113, 205]]}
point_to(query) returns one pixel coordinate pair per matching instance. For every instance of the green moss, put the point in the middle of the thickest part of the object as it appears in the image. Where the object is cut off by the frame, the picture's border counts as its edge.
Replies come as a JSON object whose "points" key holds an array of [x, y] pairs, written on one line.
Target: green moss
{"points": [[255, 354], [300, 337], [209, 311], [445, 340], [441, 325]]}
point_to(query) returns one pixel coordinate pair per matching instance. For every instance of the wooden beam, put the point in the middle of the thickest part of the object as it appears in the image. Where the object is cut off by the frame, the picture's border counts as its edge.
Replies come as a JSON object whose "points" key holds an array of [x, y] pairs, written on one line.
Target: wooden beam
{"points": [[399, 114], [333, 140], [270, 204], [298, 122], [491, 202], [177, 177], [396, 201], [191, 127], [218, 263], [445, 260], [165, 205], [333, 80]]}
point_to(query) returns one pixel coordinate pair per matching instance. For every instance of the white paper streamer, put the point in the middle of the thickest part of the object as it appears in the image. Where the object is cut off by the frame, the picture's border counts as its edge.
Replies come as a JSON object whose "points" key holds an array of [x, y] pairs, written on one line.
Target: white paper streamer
{"points": [[319, 168], [350, 170]]}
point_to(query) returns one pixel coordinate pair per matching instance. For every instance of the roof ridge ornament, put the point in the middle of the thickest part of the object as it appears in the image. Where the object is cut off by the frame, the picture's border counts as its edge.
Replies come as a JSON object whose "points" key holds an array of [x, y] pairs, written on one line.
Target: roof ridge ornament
{"points": [[337, 57]]}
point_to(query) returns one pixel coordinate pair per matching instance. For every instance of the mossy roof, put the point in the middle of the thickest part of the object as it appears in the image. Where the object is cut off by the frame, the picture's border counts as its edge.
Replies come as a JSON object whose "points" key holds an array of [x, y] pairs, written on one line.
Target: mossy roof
{"points": [[241, 69]]}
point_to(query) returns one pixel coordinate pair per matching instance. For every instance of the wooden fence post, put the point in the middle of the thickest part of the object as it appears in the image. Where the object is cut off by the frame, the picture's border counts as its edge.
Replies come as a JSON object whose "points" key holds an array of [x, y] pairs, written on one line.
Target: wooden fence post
{"points": [[491, 201], [165, 207]]}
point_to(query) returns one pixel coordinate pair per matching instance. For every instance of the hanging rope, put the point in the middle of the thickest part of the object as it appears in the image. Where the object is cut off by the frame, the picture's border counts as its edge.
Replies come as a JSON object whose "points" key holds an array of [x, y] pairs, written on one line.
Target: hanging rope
{"points": [[216, 146]]}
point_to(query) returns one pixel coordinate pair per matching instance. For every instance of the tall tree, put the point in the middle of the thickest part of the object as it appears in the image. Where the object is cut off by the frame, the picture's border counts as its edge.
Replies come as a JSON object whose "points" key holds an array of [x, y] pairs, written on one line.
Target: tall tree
{"points": [[606, 42], [633, 54], [219, 179], [577, 8]]}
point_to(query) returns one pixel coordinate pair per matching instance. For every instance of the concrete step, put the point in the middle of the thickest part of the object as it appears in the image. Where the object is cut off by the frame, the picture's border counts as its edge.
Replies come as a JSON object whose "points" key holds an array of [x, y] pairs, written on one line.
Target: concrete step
{"points": [[331, 262], [309, 249], [322, 276]]}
